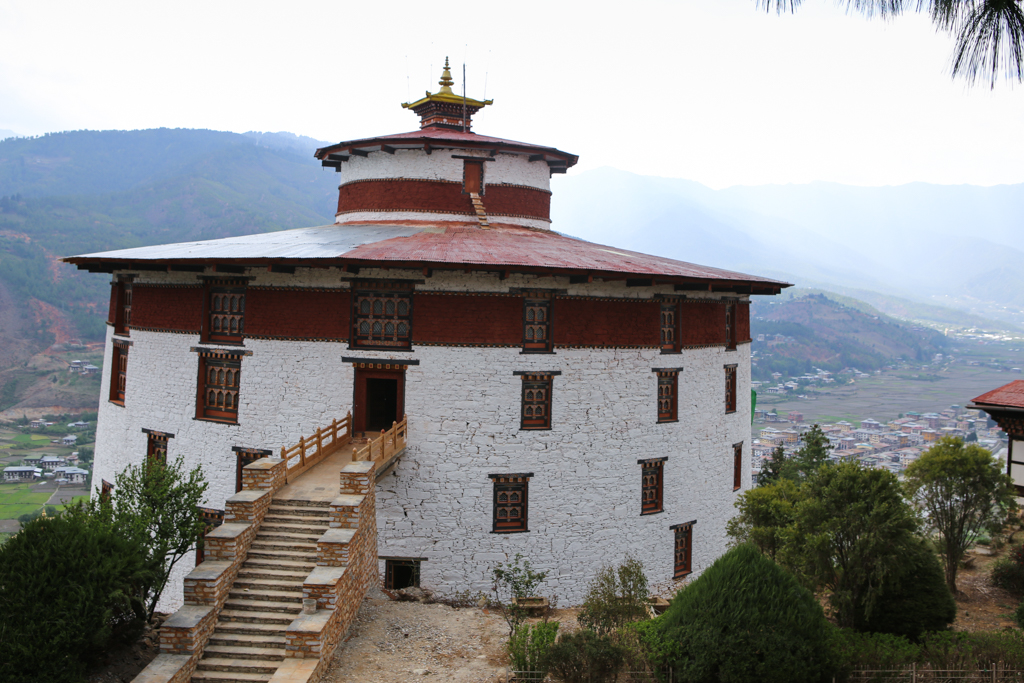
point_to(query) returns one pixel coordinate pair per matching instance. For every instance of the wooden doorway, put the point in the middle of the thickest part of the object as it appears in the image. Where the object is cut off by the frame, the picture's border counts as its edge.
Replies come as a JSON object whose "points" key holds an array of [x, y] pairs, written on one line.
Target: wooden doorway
{"points": [[379, 399], [473, 176]]}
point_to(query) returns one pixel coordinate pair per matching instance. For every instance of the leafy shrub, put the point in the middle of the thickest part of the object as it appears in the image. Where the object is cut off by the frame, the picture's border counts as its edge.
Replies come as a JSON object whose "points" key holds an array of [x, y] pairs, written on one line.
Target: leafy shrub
{"points": [[1008, 571], [515, 579], [615, 597], [528, 646], [973, 651], [871, 651], [914, 601], [1018, 615], [69, 589], [585, 657], [745, 619]]}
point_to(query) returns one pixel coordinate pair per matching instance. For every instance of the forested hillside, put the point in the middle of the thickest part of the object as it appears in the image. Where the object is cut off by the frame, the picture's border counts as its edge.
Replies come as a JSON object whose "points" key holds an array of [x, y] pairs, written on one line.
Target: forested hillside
{"points": [[817, 331], [84, 191]]}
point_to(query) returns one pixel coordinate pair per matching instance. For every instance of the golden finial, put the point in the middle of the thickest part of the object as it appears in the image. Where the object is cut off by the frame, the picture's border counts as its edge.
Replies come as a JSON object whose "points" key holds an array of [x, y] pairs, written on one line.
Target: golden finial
{"points": [[446, 80]]}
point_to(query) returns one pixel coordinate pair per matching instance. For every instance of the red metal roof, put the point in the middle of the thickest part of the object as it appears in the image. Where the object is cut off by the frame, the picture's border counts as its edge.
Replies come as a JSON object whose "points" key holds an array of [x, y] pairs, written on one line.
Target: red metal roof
{"points": [[1011, 395], [443, 137], [506, 245]]}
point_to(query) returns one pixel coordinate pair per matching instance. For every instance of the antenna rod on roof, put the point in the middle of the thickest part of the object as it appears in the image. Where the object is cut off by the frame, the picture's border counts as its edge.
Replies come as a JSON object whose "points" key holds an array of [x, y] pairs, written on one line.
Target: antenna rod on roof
{"points": [[463, 97]]}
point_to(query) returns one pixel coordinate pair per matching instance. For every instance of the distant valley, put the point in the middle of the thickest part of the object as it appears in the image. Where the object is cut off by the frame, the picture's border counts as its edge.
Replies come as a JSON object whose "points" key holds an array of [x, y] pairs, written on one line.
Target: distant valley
{"points": [[940, 256]]}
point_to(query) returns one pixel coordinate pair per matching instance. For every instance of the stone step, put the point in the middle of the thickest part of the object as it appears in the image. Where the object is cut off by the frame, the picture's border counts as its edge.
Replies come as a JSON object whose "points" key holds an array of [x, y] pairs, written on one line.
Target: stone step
{"points": [[310, 510], [305, 536], [264, 585], [297, 525], [255, 617], [268, 574], [238, 665], [230, 676], [266, 595], [246, 640], [298, 502], [250, 605], [288, 546], [277, 562], [264, 654], [250, 628]]}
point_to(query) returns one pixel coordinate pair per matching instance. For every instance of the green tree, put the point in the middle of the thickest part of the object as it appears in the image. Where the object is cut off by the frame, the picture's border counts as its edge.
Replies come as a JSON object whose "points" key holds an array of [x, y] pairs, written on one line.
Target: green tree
{"points": [[70, 588], [850, 534], [157, 506], [765, 513], [745, 619], [809, 457], [772, 468], [513, 581], [962, 491], [989, 34]]}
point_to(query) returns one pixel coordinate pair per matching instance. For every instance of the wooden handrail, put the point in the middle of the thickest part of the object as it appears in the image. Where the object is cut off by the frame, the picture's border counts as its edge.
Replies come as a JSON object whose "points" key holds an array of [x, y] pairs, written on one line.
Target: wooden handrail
{"points": [[386, 445], [309, 452]]}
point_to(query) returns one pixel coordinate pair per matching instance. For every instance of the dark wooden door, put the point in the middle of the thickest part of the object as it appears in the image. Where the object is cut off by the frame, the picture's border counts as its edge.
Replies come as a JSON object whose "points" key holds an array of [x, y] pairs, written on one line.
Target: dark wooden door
{"points": [[378, 400]]}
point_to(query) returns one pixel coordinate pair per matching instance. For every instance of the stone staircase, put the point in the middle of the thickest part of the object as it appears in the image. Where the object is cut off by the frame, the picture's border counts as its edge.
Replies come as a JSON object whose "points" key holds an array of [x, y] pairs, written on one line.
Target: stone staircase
{"points": [[248, 642], [478, 206]]}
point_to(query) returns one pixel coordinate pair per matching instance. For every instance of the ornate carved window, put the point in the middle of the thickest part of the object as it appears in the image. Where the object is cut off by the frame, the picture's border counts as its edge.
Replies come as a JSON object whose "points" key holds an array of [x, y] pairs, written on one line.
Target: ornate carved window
{"points": [[121, 304], [652, 485], [106, 490], [382, 316], [670, 327], [684, 548], [730, 388], [510, 502], [536, 408], [119, 371], [668, 394], [246, 456], [730, 326], [226, 306], [212, 518], [737, 466], [219, 382], [156, 446], [536, 325]]}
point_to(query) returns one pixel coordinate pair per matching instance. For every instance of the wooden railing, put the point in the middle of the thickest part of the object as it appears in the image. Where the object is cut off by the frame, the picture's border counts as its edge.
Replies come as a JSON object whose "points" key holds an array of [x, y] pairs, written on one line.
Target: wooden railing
{"points": [[386, 445], [310, 451]]}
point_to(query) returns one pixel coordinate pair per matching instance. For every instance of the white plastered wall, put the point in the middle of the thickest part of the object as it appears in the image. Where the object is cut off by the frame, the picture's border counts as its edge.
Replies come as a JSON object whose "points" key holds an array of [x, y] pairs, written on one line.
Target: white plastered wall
{"points": [[511, 169], [463, 405]]}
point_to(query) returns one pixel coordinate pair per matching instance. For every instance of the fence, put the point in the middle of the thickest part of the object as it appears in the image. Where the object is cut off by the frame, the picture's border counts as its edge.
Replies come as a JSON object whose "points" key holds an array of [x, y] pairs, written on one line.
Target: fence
{"points": [[622, 677], [324, 441], [994, 673], [386, 445]]}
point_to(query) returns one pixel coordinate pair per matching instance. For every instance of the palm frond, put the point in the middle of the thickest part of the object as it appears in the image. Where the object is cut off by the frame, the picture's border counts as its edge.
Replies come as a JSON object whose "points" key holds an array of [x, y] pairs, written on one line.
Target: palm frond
{"points": [[990, 40], [779, 6]]}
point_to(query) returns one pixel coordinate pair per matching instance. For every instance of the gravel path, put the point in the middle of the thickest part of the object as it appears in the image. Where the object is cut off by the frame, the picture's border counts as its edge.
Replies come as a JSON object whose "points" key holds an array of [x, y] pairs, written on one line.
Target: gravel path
{"points": [[398, 642]]}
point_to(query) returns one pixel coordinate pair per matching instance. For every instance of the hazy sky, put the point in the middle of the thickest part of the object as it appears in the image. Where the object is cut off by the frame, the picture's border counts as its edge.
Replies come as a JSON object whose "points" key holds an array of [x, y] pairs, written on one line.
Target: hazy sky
{"points": [[711, 90]]}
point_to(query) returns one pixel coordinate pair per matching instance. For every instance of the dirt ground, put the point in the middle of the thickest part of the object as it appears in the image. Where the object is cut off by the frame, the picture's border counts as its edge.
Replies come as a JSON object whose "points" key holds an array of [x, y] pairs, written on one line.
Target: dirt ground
{"points": [[980, 606]]}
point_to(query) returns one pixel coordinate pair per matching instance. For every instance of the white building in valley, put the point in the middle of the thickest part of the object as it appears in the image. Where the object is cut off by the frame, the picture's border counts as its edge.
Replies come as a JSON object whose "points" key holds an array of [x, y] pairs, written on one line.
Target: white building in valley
{"points": [[568, 401]]}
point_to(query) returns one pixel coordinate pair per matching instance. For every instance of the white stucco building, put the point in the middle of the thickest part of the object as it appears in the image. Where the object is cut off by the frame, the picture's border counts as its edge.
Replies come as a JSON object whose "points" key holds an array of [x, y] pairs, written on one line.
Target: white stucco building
{"points": [[568, 401]]}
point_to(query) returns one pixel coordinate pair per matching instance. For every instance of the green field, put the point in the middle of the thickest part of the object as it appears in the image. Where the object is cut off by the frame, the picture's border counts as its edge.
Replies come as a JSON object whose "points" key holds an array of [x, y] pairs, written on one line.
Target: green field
{"points": [[30, 438], [18, 499]]}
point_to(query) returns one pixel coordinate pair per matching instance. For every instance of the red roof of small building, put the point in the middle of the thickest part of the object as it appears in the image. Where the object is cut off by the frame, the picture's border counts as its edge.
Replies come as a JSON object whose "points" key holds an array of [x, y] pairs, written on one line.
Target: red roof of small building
{"points": [[436, 138], [1010, 395]]}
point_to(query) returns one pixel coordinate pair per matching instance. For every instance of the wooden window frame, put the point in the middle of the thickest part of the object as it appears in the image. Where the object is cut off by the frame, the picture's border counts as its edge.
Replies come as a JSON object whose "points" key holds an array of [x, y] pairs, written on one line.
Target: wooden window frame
{"points": [[683, 549], [156, 445], [669, 339], [532, 308], [212, 518], [229, 361], [247, 456], [529, 403], [511, 484], [730, 388], [122, 294], [466, 164], [730, 326], [737, 466], [667, 406], [384, 292], [106, 490], [215, 291], [389, 568], [652, 485], [119, 371]]}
